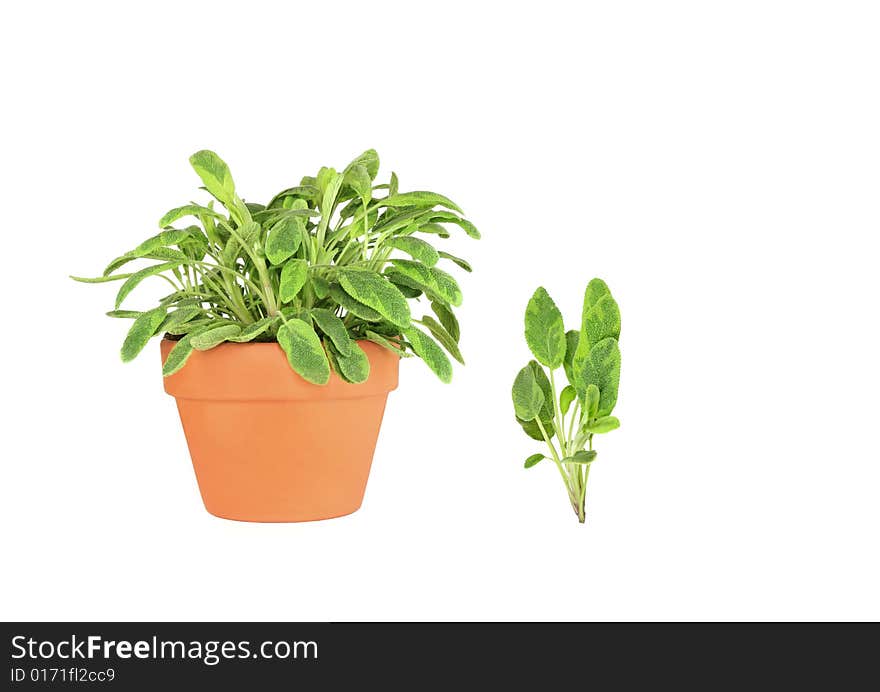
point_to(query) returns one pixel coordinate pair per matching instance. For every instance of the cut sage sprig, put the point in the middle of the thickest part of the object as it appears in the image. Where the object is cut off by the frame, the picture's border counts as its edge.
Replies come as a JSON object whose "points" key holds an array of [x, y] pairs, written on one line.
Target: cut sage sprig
{"points": [[566, 419], [325, 264]]}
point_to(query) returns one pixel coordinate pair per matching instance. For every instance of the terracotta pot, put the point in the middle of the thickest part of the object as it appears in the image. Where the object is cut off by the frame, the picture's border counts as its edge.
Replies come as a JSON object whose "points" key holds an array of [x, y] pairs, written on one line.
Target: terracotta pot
{"points": [[268, 446]]}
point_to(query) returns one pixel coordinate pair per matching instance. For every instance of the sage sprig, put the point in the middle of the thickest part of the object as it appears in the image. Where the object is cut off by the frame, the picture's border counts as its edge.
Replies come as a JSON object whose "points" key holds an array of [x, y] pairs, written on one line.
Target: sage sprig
{"points": [[324, 264], [567, 419]]}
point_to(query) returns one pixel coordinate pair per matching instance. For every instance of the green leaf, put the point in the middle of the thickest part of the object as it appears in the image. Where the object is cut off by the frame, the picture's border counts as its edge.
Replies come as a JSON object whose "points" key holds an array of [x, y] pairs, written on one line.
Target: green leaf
{"points": [[321, 286], [445, 339], [358, 179], [591, 400], [582, 457], [178, 355], [374, 291], [141, 331], [446, 287], [447, 319], [428, 350], [196, 210], [457, 260], [567, 395], [530, 428], [253, 330], [132, 281], [601, 368], [214, 337], [600, 318], [416, 248], [419, 199], [285, 238], [215, 175], [354, 366], [353, 306], [293, 277], [125, 314], [100, 279], [602, 425], [193, 326], [434, 228], [304, 351], [180, 316], [334, 329], [527, 395], [548, 410], [369, 160], [534, 459], [545, 333], [385, 343], [571, 344]]}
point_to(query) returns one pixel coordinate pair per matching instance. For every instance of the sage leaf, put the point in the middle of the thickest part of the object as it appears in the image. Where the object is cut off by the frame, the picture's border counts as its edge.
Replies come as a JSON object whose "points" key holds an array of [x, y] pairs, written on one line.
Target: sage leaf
{"points": [[124, 314], [602, 425], [334, 329], [376, 292], [602, 369], [178, 356], [548, 409], [253, 330], [571, 344], [141, 331], [600, 318], [206, 340], [457, 260], [304, 351], [591, 400], [369, 160], [196, 210], [567, 395], [545, 333], [527, 395], [132, 281], [582, 457], [428, 350], [215, 175], [534, 459], [100, 279], [350, 305], [446, 287], [530, 428], [285, 238], [353, 366], [386, 343], [445, 339], [416, 248], [419, 199], [293, 277], [447, 319]]}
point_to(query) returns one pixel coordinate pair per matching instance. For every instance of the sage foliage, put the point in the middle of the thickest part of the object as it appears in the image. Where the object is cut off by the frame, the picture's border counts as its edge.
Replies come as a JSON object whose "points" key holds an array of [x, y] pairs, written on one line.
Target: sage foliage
{"points": [[566, 419], [324, 264]]}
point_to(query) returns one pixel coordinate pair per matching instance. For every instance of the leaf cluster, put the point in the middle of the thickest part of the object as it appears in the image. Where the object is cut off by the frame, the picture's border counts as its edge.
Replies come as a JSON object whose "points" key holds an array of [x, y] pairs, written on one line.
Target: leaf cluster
{"points": [[334, 260], [590, 359]]}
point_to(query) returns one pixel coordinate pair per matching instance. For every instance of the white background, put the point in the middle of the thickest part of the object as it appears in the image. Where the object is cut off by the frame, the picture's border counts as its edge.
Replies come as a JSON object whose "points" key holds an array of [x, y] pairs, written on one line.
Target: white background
{"points": [[717, 163]]}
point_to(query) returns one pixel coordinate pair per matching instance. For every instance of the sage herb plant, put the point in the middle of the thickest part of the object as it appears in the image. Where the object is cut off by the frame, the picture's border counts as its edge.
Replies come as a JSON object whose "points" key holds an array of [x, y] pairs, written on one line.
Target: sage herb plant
{"points": [[567, 419], [326, 263]]}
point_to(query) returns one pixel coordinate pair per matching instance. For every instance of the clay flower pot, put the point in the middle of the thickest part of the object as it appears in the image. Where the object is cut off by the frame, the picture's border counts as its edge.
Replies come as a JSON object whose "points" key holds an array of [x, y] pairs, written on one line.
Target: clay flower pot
{"points": [[268, 446]]}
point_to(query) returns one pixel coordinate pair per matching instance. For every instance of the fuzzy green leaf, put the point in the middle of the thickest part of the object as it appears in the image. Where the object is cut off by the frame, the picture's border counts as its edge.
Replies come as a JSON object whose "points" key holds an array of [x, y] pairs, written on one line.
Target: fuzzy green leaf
{"points": [[369, 160], [285, 237], [602, 425], [293, 277], [447, 319], [600, 318], [545, 333], [446, 287], [132, 281], [358, 179], [385, 343], [354, 367], [196, 210], [464, 264], [125, 314], [591, 400], [601, 368], [253, 330], [527, 395], [582, 457], [353, 306], [534, 459], [530, 428], [141, 331], [416, 248], [304, 351], [571, 344], [428, 350], [419, 199], [567, 395], [100, 279], [445, 339], [334, 329], [214, 337], [178, 356], [548, 410], [374, 291], [214, 174]]}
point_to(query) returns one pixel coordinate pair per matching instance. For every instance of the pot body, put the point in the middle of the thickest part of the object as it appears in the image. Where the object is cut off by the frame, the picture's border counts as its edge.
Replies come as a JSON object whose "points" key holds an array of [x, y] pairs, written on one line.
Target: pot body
{"points": [[268, 446]]}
